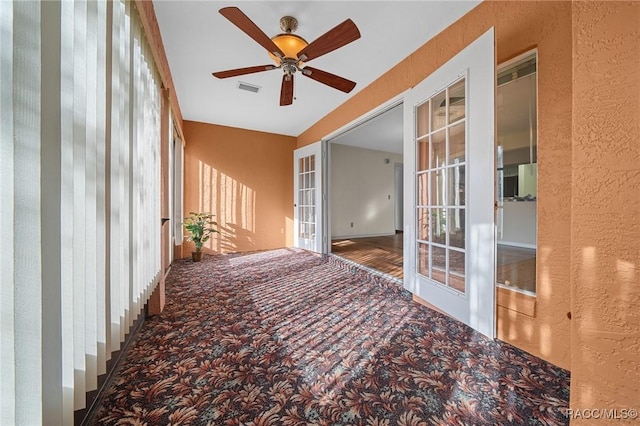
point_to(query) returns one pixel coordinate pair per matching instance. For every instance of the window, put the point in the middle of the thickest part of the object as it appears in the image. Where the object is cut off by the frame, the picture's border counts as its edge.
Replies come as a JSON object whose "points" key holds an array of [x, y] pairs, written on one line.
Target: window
{"points": [[517, 174]]}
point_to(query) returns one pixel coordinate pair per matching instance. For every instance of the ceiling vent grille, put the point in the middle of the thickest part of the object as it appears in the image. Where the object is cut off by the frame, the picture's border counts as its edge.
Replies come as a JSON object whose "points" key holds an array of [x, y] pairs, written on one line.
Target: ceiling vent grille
{"points": [[248, 87]]}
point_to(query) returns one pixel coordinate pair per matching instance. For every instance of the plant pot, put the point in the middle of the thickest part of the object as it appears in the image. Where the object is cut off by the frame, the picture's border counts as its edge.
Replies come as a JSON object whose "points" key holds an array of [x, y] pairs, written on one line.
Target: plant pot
{"points": [[196, 256]]}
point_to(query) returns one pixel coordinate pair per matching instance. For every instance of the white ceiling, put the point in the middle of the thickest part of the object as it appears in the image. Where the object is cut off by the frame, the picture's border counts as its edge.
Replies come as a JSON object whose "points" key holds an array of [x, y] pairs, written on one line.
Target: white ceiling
{"points": [[198, 41], [383, 132]]}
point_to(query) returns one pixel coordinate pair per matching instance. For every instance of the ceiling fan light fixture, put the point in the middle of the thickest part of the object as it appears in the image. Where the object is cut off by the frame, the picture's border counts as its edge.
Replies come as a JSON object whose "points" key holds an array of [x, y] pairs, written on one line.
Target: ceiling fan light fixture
{"points": [[290, 44], [289, 52]]}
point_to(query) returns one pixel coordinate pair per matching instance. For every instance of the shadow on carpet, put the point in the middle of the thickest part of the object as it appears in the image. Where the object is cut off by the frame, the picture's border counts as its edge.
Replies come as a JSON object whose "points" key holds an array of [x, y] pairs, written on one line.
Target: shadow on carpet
{"points": [[286, 338]]}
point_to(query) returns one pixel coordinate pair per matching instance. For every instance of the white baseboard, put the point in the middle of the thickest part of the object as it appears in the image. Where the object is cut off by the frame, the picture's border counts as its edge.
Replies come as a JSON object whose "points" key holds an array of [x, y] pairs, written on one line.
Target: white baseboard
{"points": [[344, 237]]}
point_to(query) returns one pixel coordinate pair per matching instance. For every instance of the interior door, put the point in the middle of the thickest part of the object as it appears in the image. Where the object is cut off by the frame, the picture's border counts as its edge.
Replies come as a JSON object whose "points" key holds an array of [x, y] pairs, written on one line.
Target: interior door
{"points": [[449, 178], [308, 198]]}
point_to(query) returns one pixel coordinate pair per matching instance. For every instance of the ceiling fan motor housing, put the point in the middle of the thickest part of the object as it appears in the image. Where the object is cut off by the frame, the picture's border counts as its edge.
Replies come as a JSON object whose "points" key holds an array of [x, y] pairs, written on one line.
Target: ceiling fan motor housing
{"points": [[288, 24]]}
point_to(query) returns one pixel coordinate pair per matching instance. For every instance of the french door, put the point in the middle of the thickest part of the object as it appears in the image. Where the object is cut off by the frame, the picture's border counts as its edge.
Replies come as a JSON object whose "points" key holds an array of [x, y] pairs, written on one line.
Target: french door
{"points": [[449, 181], [308, 197]]}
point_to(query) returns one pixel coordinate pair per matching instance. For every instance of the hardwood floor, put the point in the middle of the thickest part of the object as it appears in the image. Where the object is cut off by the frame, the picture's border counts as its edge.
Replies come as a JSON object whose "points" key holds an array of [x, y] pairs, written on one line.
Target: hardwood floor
{"points": [[383, 254], [516, 266]]}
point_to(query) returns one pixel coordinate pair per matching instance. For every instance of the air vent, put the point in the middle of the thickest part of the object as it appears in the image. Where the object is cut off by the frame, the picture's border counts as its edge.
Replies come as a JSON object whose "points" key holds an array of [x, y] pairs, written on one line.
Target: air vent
{"points": [[248, 87]]}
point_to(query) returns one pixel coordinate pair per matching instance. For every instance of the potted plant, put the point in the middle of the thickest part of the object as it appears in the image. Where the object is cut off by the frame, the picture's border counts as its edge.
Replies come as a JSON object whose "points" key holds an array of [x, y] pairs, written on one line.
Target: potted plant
{"points": [[200, 227]]}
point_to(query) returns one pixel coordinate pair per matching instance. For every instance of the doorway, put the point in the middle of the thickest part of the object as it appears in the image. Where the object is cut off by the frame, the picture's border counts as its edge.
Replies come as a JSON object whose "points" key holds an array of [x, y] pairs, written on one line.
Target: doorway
{"points": [[449, 248], [365, 191]]}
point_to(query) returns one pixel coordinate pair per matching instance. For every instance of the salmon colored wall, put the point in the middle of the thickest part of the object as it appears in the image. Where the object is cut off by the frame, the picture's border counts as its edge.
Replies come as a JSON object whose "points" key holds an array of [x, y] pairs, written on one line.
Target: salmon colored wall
{"points": [[605, 207], [245, 178], [519, 27]]}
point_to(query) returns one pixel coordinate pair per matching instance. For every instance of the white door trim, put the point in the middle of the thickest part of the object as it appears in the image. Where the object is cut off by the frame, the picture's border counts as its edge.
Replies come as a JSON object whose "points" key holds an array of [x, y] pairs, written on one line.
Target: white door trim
{"points": [[398, 180], [316, 244]]}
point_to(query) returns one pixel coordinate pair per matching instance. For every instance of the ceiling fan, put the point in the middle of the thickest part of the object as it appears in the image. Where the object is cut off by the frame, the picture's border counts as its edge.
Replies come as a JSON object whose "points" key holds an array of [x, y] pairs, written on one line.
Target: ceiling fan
{"points": [[290, 52]]}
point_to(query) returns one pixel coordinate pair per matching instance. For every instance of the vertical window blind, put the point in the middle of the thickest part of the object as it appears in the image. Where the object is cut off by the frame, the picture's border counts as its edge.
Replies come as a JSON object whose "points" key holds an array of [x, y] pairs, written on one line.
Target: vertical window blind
{"points": [[20, 214], [80, 190]]}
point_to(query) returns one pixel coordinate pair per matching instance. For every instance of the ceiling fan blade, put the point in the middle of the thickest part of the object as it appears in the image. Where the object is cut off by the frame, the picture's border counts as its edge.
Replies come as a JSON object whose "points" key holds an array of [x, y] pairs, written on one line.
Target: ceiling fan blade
{"points": [[286, 92], [242, 21], [329, 79], [243, 71], [333, 39]]}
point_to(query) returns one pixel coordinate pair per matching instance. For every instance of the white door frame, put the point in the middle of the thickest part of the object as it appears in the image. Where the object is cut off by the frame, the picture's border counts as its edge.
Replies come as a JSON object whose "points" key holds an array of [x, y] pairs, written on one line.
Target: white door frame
{"points": [[476, 307], [306, 151], [326, 202], [398, 207], [326, 152]]}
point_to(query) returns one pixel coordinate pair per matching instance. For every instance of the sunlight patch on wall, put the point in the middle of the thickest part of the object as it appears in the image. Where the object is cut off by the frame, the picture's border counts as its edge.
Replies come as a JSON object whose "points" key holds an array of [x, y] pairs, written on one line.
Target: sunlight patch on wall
{"points": [[545, 339], [233, 204], [626, 271], [372, 211], [289, 230], [543, 289], [589, 270], [587, 276]]}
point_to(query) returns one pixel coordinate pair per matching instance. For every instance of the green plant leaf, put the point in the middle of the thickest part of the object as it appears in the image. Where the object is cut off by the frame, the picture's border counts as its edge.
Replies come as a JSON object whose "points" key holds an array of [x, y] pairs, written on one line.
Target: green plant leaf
{"points": [[200, 227]]}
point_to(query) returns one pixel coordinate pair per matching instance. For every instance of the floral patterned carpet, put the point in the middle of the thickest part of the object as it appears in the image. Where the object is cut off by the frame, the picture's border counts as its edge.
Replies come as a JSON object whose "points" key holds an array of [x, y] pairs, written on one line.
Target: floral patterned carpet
{"points": [[284, 337]]}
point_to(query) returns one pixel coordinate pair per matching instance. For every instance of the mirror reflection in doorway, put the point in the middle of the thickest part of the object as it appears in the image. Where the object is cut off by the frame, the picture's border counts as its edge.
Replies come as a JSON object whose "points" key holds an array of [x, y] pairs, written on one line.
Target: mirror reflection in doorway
{"points": [[517, 174]]}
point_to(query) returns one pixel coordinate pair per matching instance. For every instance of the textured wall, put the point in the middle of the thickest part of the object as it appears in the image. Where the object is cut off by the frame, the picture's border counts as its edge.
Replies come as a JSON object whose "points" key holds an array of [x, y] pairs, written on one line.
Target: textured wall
{"points": [[245, 178], [606, 206], [519, 27]]}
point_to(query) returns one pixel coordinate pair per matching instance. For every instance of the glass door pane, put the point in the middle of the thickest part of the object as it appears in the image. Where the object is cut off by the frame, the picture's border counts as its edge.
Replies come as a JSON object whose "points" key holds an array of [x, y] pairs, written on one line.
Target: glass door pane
{"points": [[440, 183], [306, 200]]}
